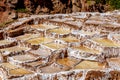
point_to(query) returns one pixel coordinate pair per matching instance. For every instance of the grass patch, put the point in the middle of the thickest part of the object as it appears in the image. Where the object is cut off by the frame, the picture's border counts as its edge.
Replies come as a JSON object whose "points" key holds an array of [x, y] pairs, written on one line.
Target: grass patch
{"points": [[22, 10], [90, 3], [6, 23]]}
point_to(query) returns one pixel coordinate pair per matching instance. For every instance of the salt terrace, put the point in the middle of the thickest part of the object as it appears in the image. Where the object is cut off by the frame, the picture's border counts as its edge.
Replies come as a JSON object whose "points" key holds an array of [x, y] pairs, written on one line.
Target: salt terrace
{"points": [[76, 46]]}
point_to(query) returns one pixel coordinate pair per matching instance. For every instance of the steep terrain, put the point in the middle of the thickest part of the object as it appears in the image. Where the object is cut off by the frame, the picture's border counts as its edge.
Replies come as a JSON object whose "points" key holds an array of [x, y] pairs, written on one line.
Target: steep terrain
{"points": [[13, 9]]}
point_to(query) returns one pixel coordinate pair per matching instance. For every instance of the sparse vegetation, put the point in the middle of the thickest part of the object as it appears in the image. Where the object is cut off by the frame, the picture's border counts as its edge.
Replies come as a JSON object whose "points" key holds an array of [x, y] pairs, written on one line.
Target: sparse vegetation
{"points": [[6, 23], [115, 4], [22, 10]]}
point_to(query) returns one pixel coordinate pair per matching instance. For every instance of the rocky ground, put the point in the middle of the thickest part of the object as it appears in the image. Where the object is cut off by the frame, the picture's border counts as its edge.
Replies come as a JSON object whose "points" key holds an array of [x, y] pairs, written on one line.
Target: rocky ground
{"points": [[13, 9]]}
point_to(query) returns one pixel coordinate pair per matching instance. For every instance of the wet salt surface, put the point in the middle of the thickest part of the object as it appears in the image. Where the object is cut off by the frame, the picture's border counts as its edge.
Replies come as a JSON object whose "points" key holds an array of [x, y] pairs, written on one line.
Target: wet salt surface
{"points": [[41, 52], [54, 68]]}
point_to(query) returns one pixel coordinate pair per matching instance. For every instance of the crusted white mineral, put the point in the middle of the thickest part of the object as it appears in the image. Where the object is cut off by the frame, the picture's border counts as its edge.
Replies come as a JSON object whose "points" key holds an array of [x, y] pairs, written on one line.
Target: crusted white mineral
{"points": [[77, 46]]}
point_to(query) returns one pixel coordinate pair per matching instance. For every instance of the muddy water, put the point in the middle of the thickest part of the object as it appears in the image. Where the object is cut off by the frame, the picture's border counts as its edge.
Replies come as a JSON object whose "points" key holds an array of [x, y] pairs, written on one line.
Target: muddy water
{"points": [[90, 65], [55, 45], [85, 49], [106, 42], [67, 61], [60, 31]]}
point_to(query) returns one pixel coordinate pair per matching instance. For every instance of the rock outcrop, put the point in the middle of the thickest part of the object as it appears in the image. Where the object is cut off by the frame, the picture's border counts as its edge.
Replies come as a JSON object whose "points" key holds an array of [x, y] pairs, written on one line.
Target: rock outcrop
{"points": [[13, 7]]}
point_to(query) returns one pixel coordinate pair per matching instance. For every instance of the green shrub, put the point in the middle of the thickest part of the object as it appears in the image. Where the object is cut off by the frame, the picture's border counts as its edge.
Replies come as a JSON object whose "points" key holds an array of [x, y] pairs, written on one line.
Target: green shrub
{"points": [[114, 3]]}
